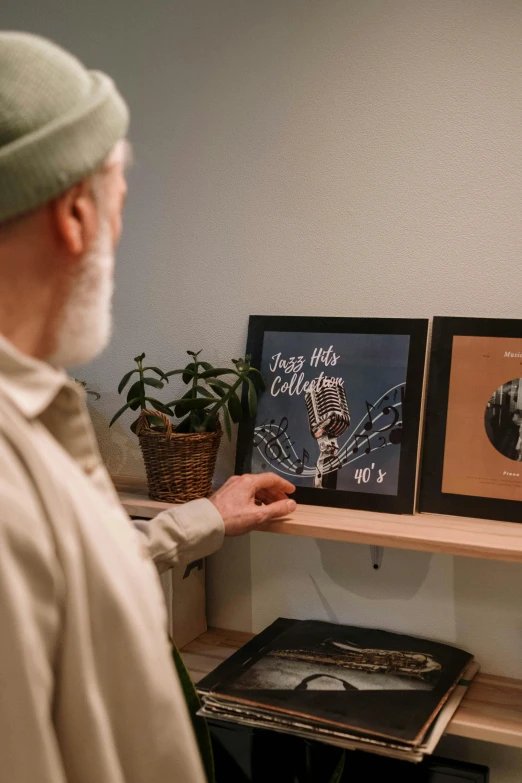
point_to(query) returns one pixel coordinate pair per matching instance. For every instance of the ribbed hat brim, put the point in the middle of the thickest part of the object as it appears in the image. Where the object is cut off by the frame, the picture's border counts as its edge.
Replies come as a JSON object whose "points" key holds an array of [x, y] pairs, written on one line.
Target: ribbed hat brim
{"points": [[39, 166]]}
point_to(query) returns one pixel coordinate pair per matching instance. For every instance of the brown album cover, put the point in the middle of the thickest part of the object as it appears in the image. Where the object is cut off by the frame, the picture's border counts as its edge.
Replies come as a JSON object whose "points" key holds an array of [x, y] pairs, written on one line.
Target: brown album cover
{"points": [[483, 446], [472, 452]]}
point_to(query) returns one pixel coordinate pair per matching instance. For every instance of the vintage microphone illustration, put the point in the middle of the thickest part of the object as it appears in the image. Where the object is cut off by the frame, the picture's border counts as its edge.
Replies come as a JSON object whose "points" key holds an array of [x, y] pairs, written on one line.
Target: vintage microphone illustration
{"points": [[329, 417]]}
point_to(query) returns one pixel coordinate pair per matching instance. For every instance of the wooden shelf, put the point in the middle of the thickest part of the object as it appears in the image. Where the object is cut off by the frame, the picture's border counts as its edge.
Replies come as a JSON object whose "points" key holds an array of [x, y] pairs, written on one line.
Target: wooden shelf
{"points": [[137, 504], [423, 532], [491, 711]]}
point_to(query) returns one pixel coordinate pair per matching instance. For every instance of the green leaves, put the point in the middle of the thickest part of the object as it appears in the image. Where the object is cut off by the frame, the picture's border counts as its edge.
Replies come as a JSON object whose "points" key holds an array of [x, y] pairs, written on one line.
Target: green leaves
{"points": [[185, 405], [338, 772], [124, 381], [153, 421], [185, 425], [189, 372], [211, 423], [92, 393], [205, 392], [157, 371], [235, 409], [258, 379], [199, 724], [220, 383], [159, 406], [207, 395], [228, 425], [119, 413], [216, 389], [154, 382], [135, 395], [241, 366], [215, 372], [252, 398]]}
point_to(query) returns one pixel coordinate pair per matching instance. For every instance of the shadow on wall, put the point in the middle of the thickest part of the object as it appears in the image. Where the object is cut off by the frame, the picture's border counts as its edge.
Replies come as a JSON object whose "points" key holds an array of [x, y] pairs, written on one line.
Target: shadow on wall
{"points": [[401, 575], [118, 446], [488, 601], [120, 450]]}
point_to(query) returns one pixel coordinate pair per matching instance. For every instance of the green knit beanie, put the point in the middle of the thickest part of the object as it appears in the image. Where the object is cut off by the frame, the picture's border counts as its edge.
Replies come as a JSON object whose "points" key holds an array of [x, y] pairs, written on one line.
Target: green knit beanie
{"points": [[58, 121]]}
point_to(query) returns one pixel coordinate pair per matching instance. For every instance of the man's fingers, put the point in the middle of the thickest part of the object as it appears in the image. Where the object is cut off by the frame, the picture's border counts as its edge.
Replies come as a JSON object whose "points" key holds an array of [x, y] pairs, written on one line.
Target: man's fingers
{"points": [[280, 508], [271, 480], [270, 495]]}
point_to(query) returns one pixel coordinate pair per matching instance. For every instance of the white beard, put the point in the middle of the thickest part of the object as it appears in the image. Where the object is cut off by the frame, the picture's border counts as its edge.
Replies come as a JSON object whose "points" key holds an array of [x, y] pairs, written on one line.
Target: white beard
{"points": [[85, 324]]}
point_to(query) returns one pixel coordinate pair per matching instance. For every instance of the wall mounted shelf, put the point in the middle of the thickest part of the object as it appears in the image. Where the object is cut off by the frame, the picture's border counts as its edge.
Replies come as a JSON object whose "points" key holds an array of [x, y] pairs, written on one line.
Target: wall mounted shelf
{"points": [[450, 535]]}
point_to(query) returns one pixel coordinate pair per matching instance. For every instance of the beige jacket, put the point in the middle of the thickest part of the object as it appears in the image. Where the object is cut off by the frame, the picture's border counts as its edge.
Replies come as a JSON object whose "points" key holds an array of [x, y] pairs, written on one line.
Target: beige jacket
{"points": [[88, 693]]}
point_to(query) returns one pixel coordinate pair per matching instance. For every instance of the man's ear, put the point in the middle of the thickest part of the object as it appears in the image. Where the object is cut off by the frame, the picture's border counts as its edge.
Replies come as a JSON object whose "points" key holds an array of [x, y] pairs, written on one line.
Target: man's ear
{"points": [[75, 217]]}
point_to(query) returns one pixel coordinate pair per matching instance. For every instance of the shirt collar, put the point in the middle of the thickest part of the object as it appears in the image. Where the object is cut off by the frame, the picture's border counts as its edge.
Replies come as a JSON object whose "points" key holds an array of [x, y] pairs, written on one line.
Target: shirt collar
{"points": [[30, 384]]}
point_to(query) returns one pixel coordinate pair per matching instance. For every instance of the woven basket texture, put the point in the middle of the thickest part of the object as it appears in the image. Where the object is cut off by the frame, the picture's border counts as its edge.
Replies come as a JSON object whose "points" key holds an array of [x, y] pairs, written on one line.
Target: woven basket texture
{"points": [[179, 466]]}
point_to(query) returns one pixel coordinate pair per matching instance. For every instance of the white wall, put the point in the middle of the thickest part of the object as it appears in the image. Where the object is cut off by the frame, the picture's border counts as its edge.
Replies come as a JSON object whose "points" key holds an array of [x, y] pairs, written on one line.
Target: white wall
{"points": [[315, 157]]}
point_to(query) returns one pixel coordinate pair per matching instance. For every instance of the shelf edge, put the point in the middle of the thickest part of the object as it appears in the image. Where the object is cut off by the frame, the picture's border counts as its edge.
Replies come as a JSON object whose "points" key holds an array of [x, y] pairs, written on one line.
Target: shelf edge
{"points": [[477, 538]]}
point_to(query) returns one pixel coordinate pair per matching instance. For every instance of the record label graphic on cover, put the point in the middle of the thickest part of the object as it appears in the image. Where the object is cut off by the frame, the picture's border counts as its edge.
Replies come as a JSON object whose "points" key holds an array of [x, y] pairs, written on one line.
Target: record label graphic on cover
{"points": [[332, 413], [483, 445], [339, 417]]}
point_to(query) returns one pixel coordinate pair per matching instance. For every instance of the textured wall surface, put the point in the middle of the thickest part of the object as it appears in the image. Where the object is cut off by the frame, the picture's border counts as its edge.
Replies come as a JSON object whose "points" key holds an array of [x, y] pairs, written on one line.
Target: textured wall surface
{"points": [[318, 157]]}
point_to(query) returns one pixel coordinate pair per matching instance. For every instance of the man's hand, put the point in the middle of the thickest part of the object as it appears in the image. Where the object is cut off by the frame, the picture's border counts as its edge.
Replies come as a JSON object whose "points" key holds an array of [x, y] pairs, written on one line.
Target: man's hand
{"points": [[247, 502]]}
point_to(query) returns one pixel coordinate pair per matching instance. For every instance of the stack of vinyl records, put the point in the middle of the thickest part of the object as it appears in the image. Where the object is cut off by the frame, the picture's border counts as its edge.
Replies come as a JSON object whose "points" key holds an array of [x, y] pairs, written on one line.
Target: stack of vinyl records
{"points": [[356, 688]]}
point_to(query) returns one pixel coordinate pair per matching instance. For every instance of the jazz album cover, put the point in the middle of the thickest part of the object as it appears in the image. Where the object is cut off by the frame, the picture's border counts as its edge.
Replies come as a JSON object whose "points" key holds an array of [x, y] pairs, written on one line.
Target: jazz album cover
{"points": [[344, 679], [473, 448], [340, 413]]}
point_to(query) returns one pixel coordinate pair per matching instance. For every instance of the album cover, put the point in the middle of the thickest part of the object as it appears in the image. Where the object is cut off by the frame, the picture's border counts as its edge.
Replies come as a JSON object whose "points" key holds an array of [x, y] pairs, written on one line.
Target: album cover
{"points": [[472, 462], [348, 739], [340, 683], [340, 413]]}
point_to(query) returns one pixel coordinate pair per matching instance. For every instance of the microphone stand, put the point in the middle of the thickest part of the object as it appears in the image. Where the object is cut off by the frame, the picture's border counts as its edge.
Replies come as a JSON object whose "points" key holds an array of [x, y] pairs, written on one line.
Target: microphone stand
{"points": [[328, 451]]}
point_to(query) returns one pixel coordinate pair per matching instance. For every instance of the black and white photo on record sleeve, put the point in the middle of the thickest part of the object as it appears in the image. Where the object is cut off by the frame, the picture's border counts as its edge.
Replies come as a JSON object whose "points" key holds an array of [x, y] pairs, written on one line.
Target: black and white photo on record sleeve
{"points": [[336, 665], [503, 419]]}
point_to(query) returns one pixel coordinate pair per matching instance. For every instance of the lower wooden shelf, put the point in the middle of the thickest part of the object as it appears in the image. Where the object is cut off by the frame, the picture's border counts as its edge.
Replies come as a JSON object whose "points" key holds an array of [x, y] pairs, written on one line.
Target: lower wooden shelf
{"points": [[491, 711]]}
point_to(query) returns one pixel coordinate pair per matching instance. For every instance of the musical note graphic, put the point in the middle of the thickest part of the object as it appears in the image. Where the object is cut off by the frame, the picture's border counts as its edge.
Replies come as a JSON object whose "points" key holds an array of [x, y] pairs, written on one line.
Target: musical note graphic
{"points": [[368, 429], [273, 449], [369, 424], [260, 430], [300, 463], [385, 412], [396, 434], [279, 451], [362, 436]]}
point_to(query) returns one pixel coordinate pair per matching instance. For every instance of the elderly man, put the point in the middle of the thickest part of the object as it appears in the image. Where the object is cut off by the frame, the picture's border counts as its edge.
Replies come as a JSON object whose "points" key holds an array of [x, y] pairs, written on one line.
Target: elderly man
{"points": [[88, 693]]}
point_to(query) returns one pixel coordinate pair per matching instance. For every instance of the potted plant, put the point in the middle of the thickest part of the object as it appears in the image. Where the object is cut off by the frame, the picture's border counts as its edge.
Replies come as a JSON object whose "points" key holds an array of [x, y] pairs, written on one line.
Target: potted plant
{"points": [[180, 459], [92, 393]]}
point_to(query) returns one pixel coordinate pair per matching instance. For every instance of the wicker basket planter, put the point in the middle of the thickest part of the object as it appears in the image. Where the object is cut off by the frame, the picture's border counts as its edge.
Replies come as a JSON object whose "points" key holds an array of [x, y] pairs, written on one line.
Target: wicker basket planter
{"points": [[179, 466]]}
